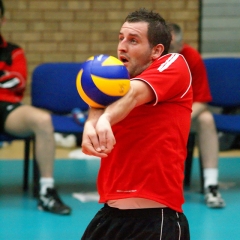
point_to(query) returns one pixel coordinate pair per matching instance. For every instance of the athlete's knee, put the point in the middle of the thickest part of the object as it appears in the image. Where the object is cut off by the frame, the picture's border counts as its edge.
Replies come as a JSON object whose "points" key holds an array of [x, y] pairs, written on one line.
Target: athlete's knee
{"points": [[44, 123], [206, 119]]}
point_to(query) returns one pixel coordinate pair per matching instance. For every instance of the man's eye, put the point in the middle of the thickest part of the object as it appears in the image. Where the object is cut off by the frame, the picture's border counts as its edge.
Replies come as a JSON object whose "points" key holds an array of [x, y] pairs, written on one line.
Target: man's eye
{"points": [[133, 40]]}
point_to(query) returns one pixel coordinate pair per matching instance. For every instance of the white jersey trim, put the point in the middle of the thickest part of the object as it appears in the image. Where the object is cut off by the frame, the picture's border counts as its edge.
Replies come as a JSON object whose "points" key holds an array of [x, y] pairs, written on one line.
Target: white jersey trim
{"points": [[168, 62], [190, 83], [164, 66]]}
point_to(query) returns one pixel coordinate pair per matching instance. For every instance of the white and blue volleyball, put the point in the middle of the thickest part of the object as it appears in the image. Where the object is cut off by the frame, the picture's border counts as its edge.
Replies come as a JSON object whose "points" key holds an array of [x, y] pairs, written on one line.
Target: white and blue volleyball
{"points": [[102, 80]]}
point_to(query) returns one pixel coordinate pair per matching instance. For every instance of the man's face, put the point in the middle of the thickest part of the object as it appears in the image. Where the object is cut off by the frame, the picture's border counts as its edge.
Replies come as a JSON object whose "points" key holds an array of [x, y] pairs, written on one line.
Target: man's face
{"points": [[175, 46], [133, 47]]}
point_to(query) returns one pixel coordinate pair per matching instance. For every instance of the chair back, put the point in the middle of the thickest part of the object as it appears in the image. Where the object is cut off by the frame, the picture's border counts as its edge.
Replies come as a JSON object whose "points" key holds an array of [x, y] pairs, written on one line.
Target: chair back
{"points": [[54, 87], [224, 80]]}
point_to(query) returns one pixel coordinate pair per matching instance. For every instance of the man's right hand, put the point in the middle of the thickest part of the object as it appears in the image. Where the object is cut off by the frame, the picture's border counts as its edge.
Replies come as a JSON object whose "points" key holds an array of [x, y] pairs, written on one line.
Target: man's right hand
{"points": [[90, 141]]}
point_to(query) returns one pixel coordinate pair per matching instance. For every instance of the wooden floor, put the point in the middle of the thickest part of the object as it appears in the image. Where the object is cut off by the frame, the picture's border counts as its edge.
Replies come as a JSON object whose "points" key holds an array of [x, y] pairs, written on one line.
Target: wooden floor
{"points": [[16, 150]]}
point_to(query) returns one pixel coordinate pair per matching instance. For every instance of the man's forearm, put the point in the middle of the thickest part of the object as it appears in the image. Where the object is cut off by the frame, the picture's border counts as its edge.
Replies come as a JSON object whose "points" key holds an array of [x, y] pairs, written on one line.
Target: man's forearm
{"points": [[139, 93], [94, 114]]}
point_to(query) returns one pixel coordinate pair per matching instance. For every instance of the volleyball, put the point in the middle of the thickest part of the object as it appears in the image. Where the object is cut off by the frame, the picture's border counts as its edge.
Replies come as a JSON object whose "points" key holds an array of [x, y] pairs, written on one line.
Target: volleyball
{"points": [[102, 80]]}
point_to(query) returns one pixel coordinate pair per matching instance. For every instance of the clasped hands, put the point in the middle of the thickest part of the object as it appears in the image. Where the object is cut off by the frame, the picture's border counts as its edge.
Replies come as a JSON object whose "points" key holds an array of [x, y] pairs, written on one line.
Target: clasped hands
{"points": [[98, 138]]}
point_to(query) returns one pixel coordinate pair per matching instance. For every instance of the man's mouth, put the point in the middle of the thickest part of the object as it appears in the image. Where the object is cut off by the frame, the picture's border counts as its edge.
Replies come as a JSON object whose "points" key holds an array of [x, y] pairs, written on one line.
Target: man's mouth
{"points": [[123, 59]]}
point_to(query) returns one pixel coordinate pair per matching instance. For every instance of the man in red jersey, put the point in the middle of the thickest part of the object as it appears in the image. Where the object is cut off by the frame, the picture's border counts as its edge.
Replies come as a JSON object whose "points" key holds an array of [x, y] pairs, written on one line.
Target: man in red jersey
{"points": [[22, 120], [202, 119], [142, 139]]}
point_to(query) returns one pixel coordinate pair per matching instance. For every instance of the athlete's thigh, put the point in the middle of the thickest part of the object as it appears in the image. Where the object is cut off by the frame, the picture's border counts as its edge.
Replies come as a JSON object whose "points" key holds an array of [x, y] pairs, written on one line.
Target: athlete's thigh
{"points": [[22, 120]]}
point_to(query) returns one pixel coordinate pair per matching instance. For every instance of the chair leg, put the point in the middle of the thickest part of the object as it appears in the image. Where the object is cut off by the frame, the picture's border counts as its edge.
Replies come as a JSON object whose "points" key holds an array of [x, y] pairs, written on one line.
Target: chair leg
{"points": [[201, 174], [188, 162], [36, 174], [26, 164]]}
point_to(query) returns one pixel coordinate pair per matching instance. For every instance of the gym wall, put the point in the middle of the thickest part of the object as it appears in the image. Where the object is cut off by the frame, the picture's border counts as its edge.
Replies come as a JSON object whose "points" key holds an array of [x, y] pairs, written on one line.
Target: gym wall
{"points": [[73, 30]]}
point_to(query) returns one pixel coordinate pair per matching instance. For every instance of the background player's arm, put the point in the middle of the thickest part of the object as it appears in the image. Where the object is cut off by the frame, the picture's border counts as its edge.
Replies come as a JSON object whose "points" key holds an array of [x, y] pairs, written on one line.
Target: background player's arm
{"points": [[15, 78]]}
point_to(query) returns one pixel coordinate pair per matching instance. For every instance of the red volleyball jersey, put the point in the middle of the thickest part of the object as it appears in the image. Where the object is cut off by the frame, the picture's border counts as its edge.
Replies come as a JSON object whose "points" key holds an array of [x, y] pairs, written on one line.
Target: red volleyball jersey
{"points": [[13, 68], [200, 87], [148, 158]]}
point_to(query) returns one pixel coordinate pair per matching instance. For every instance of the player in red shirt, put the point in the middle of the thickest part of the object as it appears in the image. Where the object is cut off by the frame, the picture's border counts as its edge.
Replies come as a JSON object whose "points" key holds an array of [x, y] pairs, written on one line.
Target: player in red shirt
{"points": [[142, 139], [202, 119], [22, 120]]}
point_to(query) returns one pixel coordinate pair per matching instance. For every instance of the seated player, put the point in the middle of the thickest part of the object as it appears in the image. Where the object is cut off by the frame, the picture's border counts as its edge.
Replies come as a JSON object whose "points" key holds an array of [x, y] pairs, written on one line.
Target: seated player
{"points": [[202, 119], [22, 120]]}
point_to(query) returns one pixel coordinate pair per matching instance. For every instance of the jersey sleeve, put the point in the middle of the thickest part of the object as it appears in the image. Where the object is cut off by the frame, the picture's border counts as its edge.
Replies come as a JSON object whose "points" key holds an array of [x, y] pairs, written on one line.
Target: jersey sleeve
{"points": [[15, 76], [169, 77]]}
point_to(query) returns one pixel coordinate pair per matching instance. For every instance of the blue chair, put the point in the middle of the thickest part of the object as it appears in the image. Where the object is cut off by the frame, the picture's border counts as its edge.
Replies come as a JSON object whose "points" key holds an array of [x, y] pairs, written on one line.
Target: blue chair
{"points": [[53, 88], [224, 82]]}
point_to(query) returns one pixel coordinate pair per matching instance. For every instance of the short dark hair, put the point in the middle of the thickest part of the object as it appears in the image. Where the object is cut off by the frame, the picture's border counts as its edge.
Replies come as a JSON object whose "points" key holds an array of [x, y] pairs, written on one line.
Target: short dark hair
{"points": [[1, 8], [158, 30], [176, 29]]}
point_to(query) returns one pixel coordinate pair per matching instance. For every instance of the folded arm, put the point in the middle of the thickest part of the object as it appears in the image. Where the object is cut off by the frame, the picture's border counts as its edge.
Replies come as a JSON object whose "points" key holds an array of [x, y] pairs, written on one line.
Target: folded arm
{"points": [[98, 138], [14, 78], [10, 80]]}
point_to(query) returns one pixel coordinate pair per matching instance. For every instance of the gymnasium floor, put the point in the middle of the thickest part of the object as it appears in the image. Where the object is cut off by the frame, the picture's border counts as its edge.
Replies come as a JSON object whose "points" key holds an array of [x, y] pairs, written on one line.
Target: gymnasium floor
{"points": [[20, 219]]}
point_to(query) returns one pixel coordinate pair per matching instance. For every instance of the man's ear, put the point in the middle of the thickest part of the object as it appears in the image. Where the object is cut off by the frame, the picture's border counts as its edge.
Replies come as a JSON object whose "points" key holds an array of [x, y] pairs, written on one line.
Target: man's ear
{"points": [[157, 51]]}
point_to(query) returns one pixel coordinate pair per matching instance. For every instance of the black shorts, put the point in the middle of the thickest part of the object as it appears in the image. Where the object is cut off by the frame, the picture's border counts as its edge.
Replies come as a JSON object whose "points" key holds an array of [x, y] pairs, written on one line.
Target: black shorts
{"points": [[137, 224], [5, 109]]}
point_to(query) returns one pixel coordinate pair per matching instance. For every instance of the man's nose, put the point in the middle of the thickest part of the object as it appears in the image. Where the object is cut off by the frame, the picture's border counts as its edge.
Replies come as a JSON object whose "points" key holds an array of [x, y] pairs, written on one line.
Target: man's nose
{"points": [[122, 46]]}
